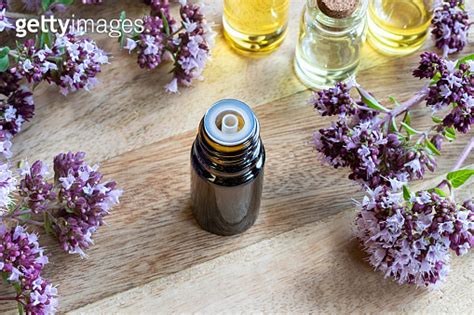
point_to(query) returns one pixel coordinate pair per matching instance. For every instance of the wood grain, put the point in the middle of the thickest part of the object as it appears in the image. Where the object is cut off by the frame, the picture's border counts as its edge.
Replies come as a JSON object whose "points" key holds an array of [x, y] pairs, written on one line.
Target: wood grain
{"points": [[131, 108], [153, 234], [317, 268], [143, 138]]}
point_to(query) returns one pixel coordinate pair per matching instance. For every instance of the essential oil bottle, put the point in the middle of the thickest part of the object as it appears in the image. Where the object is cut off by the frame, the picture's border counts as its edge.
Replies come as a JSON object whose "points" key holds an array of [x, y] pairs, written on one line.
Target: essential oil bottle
{"points": [[255, 26], [331, 36], [227, 163], [399, 27]]}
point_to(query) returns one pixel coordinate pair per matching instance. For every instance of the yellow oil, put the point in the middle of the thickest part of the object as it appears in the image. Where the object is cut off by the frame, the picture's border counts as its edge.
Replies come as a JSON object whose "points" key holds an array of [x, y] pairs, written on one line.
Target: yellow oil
{"points": [[255, 25], [399, 27]]}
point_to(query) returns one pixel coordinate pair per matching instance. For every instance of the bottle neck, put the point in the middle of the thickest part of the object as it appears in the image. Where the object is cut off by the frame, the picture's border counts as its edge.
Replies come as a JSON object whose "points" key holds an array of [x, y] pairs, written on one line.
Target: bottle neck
{"points": [[228, 165], [319, 19]]}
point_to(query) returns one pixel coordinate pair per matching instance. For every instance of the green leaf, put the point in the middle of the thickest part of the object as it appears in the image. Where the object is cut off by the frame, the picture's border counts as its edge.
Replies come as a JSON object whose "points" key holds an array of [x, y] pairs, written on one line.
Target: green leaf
{"points": [[45, 4], [450, 133], [165, 23], [370, 101], [4, 51], [48, 226], [451, 130], [17, 287], [449, 137], [25, 216], [465, 59], [436, 78], [393, 125], [65, 2], [411, 131], [4, 63], [436, 120], [69, 210], [440, 192], [432, 147], [45, 39], [407, 118], [458, 178], [122, 17], [393, 100], [21, 310], [406, 193]]}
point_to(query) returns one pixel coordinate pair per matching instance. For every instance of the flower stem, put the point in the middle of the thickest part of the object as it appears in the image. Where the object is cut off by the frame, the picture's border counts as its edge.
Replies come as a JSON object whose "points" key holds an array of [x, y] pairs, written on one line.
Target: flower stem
{"points": [[366, 108], [176, 32], [404, 107], [17, 214], [28, 221], [464, 154]]}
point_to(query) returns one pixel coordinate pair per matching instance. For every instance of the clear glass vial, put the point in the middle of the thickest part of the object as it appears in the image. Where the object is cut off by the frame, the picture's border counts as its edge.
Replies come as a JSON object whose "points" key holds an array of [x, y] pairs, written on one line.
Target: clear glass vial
{"points": [[227, 162], [255, 25], [330, 40], [399, 27]]}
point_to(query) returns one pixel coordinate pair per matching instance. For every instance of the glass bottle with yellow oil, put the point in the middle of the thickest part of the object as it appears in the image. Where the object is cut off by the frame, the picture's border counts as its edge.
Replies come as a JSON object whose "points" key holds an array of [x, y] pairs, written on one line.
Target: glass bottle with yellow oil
{"points": [[255, 25], [399, 27]]}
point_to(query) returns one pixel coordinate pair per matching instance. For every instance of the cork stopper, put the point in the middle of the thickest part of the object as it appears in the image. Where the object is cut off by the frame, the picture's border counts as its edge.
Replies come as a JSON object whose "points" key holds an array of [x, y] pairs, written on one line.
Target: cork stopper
{"points": [[338, 9]]}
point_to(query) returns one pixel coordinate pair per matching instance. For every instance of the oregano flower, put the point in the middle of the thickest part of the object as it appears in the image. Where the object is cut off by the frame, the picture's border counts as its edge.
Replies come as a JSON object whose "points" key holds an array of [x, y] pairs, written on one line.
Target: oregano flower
{"points": [[21, 262], [71, 207], [410, 236], [187, 42], [450, 25]]}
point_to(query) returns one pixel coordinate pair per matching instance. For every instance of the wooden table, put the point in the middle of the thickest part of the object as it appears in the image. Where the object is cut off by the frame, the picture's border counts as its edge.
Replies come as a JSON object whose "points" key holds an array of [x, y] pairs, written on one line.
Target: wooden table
{"points": [[152, 257]]}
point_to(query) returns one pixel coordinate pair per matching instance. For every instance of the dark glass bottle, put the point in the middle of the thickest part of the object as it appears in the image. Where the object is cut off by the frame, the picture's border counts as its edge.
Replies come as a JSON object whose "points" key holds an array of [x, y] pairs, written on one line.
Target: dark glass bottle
{"points": [[227, 162]]}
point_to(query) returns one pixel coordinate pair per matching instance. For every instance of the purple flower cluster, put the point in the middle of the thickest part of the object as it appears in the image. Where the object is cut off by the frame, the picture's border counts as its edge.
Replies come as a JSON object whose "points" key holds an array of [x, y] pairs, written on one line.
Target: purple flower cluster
{"points": [[194, 47], [152, 42], [16, 107], [371, 156], [33, 63], [34, 188], [4, 21], [407, 236], [450, 25], [357, 141], [7, 186], [372, 145], [188, 44], [453, 86], [82, 61], [430, 64], [72, 62], [410, 241], [22, 260], [334, 101], [156, 36], [74, 206], [84, 201]]}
